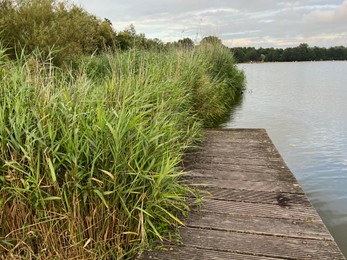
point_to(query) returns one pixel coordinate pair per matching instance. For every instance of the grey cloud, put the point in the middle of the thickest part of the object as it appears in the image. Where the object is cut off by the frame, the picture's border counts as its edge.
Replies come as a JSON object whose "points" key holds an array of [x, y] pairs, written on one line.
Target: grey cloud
{"points": [[267, 22], [328, 16]]}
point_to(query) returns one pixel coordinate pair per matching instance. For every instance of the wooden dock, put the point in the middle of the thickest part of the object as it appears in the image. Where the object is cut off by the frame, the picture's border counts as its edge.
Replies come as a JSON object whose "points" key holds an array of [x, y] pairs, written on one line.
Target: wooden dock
{"points": [[256, 209]]}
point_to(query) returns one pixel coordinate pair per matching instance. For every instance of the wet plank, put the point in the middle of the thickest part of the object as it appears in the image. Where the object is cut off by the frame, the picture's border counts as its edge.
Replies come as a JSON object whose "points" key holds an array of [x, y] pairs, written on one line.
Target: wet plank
{"points": [[253, 206]]}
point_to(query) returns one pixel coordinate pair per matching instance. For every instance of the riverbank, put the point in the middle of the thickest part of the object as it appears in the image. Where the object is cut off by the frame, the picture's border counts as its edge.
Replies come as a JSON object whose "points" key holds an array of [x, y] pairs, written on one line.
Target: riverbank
{"points": [[90, 154]]}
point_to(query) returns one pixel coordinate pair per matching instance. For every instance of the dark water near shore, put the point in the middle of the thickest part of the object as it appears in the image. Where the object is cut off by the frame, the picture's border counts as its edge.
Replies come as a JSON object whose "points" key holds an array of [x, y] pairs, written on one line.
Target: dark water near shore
{"points": [[303, 107]]}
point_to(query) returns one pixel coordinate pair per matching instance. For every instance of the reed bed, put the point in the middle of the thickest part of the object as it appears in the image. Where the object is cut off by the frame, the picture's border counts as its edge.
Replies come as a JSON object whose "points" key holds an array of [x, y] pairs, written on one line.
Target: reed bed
{"points": [[90, 155]]}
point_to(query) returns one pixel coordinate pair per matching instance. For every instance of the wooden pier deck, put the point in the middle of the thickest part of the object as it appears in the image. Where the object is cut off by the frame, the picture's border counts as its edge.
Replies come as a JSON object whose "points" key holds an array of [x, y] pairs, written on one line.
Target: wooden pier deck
{"points": [[256, 209]]}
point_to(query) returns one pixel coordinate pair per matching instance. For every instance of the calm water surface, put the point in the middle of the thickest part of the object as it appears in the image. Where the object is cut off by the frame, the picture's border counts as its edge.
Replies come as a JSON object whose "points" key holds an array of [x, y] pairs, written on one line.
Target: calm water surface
{"points": [[303, 107]]}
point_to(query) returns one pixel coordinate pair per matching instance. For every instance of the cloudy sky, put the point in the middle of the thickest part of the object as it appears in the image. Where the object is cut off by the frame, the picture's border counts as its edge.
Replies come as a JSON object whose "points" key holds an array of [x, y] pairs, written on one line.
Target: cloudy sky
{"points": [[258, 23]]}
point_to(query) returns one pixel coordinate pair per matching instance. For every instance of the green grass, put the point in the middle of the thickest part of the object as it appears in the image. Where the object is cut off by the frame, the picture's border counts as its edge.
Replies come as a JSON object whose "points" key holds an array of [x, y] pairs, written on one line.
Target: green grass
{"points": [[90, 156]]}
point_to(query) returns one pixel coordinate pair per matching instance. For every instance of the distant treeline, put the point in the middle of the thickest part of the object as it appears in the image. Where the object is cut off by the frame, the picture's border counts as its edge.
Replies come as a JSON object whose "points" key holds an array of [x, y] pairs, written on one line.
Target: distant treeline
{"points": [[65, 31], [303, 52]]}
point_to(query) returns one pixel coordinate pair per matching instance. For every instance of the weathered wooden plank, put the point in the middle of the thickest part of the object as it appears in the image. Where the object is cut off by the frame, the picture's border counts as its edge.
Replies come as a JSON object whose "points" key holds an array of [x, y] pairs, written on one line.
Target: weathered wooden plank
{"points": [[225, 140], [259, 225], [236, 167], [260, 245], [247, 135], [211, 158], [227, 158], [231, 152], [278, 186], [184, 253], [239, 175], [252, 196], [241, 150], [291, 212], [234, 154]]}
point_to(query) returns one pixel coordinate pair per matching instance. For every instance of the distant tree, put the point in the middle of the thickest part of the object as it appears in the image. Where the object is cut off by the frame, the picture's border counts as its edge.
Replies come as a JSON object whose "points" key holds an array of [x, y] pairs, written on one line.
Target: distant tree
{"points": [[337, 53], [239, 54], [322, 53], [272, 55], [302, 52], [252, 54], [126, 38], [262, 57], [211, 40], [107, 35], [154, 44], [186, 43]]}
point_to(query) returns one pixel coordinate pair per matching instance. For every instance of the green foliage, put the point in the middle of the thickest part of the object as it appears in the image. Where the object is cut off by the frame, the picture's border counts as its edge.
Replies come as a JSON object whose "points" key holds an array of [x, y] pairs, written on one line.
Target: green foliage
{"points": [[211, 40], [89, 158], [186, 43], [303, 52], [62, 31], [227, 80], [49, 25], [128, 39]]}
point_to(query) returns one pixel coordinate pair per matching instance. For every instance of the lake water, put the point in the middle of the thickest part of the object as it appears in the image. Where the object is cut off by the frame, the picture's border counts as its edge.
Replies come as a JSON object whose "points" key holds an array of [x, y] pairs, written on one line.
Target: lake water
{"points": [[303, 107]]}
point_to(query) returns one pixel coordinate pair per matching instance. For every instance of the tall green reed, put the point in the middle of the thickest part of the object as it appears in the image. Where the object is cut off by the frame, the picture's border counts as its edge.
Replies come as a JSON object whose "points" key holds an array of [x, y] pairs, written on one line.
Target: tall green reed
{"points": [[89, 164]]}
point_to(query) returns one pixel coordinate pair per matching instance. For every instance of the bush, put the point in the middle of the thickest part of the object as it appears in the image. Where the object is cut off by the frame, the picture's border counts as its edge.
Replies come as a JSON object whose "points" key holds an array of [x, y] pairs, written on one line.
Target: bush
{"points": [[54, 28]]}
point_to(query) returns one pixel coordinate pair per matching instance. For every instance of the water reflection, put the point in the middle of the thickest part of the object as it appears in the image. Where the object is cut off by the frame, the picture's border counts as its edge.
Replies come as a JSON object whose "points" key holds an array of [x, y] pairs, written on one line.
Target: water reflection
{"points": [[302, 106], [237, 106]]}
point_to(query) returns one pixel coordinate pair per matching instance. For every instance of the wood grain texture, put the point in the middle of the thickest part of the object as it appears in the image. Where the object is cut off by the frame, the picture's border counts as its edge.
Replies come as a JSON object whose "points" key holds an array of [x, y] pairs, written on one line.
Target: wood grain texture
{"points": [[192, 253], [253, 206], [295, 228]]}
